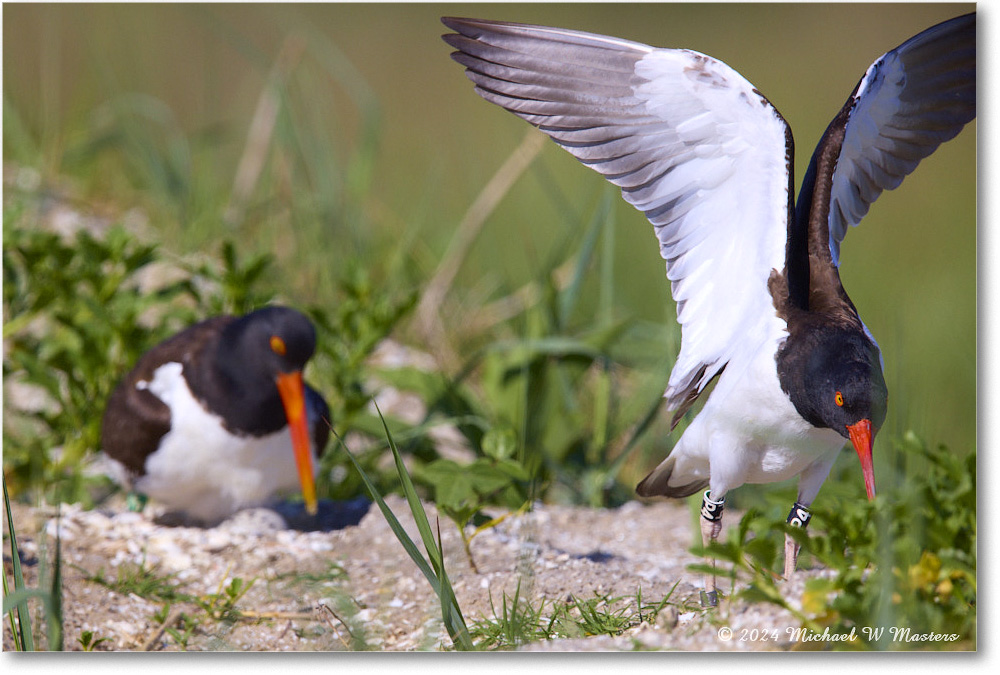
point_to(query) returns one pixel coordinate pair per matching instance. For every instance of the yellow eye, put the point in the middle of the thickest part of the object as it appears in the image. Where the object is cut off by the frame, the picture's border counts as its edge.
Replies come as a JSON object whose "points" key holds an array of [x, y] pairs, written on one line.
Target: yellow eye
{"points": [[839, 399], [278, 345]]}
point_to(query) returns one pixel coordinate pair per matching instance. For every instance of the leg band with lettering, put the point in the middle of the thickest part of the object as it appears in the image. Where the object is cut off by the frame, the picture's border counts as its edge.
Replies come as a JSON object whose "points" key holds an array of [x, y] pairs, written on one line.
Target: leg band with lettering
{"points": [[799, 516], [710, 508]]}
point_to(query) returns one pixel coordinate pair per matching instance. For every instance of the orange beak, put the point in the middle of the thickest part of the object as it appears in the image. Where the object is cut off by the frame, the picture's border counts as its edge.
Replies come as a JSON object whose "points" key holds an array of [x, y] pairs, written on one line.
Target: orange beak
{"points": [[293, 397], [861, 437]]}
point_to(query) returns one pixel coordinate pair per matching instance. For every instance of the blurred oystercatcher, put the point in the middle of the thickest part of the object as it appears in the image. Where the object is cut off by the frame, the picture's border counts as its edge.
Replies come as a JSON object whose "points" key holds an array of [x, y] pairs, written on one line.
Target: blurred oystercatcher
{"points": [[217, 418], [708, 159]]}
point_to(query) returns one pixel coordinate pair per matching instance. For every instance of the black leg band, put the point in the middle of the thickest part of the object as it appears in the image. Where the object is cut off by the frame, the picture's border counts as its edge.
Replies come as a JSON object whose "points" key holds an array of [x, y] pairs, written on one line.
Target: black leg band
{"points": [[711, 509], [799, 516]]}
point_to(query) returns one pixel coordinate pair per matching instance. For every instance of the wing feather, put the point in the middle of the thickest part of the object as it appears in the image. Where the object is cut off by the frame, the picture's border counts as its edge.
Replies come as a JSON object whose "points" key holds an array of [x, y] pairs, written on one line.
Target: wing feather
{"points": [[911, 100], [691, 144]]}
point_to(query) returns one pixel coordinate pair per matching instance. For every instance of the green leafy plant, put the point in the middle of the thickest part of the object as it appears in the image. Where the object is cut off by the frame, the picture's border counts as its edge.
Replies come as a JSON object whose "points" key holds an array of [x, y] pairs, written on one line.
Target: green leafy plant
{"points": [[185, 628], [918, 547], [143, 581], [234, 285], [349, 329], [70, 330], [221, 605], [77, 317], [88, 642], [518, 622], [907, 560], [461, 491]]}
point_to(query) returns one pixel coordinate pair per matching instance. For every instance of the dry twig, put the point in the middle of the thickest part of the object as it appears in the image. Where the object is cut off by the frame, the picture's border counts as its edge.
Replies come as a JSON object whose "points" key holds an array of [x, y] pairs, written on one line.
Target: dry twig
{"points": [[171, 619]]}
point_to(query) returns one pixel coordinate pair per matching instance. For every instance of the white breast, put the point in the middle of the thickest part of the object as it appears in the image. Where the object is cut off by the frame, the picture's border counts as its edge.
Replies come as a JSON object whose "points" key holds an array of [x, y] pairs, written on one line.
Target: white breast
{"points": [[749, 430], [203, 469]]}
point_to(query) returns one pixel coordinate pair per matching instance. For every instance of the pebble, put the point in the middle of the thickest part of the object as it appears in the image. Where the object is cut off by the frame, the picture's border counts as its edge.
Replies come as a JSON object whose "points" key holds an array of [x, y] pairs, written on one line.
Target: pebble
{"points": [[129, 518], [123, 627], [63, 529], [217, 540], [254, 523], [320, 545]]}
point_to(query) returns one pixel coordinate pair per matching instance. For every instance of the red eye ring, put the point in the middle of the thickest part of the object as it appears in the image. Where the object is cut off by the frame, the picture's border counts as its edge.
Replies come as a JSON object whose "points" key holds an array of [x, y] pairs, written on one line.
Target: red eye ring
{"points": [[278, 345], [839, 399]]}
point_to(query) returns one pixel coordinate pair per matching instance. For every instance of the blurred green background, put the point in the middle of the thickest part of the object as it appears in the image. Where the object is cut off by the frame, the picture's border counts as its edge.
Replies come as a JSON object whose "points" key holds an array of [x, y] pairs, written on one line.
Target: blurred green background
{"points": [[386, 146]]}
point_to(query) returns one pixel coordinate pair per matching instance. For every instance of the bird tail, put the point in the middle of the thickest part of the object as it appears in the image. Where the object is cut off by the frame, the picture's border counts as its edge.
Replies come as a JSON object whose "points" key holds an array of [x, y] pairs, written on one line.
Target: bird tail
{"points": [[656, 483]]}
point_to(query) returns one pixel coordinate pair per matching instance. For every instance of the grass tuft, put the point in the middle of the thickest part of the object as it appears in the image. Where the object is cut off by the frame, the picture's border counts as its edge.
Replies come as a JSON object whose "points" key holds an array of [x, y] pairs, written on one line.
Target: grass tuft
{"points": [[15, 603], [433, 565]]}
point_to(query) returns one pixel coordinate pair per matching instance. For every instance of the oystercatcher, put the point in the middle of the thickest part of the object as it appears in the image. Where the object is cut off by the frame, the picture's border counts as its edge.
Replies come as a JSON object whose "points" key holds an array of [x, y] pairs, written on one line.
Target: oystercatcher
{"points": [[708, 159], [217, 418]]}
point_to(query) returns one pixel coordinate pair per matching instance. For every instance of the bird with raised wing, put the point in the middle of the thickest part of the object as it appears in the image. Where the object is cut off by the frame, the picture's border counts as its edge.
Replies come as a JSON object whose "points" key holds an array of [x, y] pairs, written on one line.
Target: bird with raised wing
{"points": [[217, 418], [754, 273]]}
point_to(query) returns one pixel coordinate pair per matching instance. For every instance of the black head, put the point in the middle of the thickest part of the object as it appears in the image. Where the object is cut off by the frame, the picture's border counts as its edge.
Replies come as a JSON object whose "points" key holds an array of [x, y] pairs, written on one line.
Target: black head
{"points": [[252, 353], [833, 376], [260, 357], [844, 383], [268, 342]]}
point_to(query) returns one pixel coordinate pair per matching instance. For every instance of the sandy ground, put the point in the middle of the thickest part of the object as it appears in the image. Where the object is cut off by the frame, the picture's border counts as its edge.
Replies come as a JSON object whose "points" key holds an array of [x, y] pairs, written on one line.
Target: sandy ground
{"points": [[350, 584]]}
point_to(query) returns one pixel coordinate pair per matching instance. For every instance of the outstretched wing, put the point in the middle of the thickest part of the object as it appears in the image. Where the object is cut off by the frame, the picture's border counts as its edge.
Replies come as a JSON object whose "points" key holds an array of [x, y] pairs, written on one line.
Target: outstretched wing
{"points": [[910, 101], [691, 144]]}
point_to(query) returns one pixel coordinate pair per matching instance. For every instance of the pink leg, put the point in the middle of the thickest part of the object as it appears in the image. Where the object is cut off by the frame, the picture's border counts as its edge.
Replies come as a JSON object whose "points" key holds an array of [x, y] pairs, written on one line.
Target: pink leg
{"points": [[711, 526], [798, 517]]}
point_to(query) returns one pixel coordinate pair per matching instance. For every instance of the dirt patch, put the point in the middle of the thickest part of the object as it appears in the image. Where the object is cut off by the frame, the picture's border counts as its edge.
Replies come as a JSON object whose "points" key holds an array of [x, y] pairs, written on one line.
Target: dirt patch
{"points": [[377, 597]]}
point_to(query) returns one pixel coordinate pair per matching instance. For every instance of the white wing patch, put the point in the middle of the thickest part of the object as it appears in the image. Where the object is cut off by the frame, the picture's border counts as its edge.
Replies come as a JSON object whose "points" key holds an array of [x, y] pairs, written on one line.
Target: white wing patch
{"points": [[690, 143], [727, 196]]}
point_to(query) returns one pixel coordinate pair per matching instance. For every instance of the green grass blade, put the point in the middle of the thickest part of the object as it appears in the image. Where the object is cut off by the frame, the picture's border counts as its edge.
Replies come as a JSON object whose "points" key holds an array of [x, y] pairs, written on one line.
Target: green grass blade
{"points": [[10, 617], [394, 524], [451, 612], [23, 616], [21, 596], [54, 616], [15, 633], [412, 499]]}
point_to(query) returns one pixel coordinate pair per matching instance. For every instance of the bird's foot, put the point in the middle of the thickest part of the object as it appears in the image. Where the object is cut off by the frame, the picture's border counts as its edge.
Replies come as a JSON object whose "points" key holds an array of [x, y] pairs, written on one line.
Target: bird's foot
{"points": [[799, 516]]}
